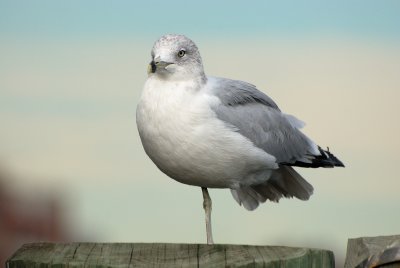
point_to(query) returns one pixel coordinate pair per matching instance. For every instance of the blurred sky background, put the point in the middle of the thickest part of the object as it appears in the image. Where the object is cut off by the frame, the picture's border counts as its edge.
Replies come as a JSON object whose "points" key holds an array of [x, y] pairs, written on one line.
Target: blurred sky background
{"points": [[71, 74]]}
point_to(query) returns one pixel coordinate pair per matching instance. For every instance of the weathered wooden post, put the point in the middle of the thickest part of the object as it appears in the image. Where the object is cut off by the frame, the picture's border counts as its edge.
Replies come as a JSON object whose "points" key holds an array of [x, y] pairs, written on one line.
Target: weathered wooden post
{"points": [[380, 251], [166, 255]]}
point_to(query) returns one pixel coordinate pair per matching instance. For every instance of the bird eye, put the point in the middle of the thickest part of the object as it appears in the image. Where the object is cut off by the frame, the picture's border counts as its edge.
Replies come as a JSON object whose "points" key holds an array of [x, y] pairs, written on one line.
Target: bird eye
{"points": [[181, 53]]}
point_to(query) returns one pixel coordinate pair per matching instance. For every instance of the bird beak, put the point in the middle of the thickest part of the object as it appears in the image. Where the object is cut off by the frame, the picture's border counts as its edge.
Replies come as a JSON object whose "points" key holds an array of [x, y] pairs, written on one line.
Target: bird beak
{"points": [[156, 64]]}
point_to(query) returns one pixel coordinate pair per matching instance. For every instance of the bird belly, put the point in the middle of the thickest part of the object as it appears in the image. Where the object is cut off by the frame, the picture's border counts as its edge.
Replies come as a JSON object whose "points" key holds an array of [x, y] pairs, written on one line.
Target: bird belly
{"points": [[184, 138]]}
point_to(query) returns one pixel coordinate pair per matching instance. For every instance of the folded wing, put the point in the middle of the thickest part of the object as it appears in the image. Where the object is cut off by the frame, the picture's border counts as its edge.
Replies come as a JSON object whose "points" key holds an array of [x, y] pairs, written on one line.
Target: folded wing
{"points": [[257, 117]]}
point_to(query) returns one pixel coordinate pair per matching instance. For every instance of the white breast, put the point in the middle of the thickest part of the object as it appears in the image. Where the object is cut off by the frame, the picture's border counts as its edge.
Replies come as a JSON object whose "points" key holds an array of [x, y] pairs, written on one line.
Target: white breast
{"points": [[183, 137]]}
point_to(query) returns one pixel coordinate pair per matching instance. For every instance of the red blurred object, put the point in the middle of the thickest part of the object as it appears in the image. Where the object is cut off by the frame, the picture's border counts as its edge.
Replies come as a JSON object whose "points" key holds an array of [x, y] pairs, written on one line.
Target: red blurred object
{"points": [[27, 219]]}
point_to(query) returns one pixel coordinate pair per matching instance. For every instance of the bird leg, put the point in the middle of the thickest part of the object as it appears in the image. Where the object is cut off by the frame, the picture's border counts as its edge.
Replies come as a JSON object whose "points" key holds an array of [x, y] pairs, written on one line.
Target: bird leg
{"points": [[207, 209]]}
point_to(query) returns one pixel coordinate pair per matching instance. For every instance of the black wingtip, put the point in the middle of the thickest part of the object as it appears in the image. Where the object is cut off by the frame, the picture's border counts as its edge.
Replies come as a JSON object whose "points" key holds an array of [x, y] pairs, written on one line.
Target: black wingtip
{"points": [[333, 159], [326, 160]]}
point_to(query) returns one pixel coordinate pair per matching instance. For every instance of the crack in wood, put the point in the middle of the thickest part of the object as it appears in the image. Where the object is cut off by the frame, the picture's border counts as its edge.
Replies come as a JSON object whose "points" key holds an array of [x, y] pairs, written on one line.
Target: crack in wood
{"points": [[73, 256], [198, 255], [90, 252], [130, 258], [226, 261]]}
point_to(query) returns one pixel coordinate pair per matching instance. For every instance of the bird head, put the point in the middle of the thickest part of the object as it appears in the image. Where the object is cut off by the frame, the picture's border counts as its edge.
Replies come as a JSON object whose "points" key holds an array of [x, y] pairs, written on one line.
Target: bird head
{"points": [[175, 57]]}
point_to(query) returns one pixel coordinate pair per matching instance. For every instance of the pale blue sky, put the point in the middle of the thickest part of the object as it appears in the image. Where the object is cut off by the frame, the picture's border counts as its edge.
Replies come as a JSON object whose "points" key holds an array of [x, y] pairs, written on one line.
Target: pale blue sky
{"points": [[88, 19]]}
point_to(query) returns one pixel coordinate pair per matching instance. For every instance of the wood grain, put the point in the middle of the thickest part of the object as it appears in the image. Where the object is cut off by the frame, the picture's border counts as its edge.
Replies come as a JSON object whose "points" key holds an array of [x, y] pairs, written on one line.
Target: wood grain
{"points": [[360, 250], [166, 255]]}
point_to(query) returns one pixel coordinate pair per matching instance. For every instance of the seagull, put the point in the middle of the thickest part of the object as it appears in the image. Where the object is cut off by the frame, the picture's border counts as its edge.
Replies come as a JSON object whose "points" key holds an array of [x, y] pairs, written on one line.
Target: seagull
{"points": [[214, 132]]}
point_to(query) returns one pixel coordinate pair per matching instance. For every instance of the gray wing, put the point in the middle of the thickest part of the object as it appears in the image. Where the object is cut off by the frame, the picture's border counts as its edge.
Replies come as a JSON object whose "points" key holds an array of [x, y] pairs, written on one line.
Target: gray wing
{"points": [[257, 117]]}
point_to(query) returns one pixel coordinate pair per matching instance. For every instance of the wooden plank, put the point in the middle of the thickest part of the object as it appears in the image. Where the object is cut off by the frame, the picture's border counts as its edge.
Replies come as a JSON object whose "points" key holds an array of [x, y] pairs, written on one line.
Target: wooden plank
{"points": [[363, 251], [166, 255]]}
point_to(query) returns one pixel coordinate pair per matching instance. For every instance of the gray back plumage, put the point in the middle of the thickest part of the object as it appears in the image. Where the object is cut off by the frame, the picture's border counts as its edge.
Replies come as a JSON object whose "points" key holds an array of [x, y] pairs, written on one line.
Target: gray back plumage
{"points": [[235, 92], [257, 117]]}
